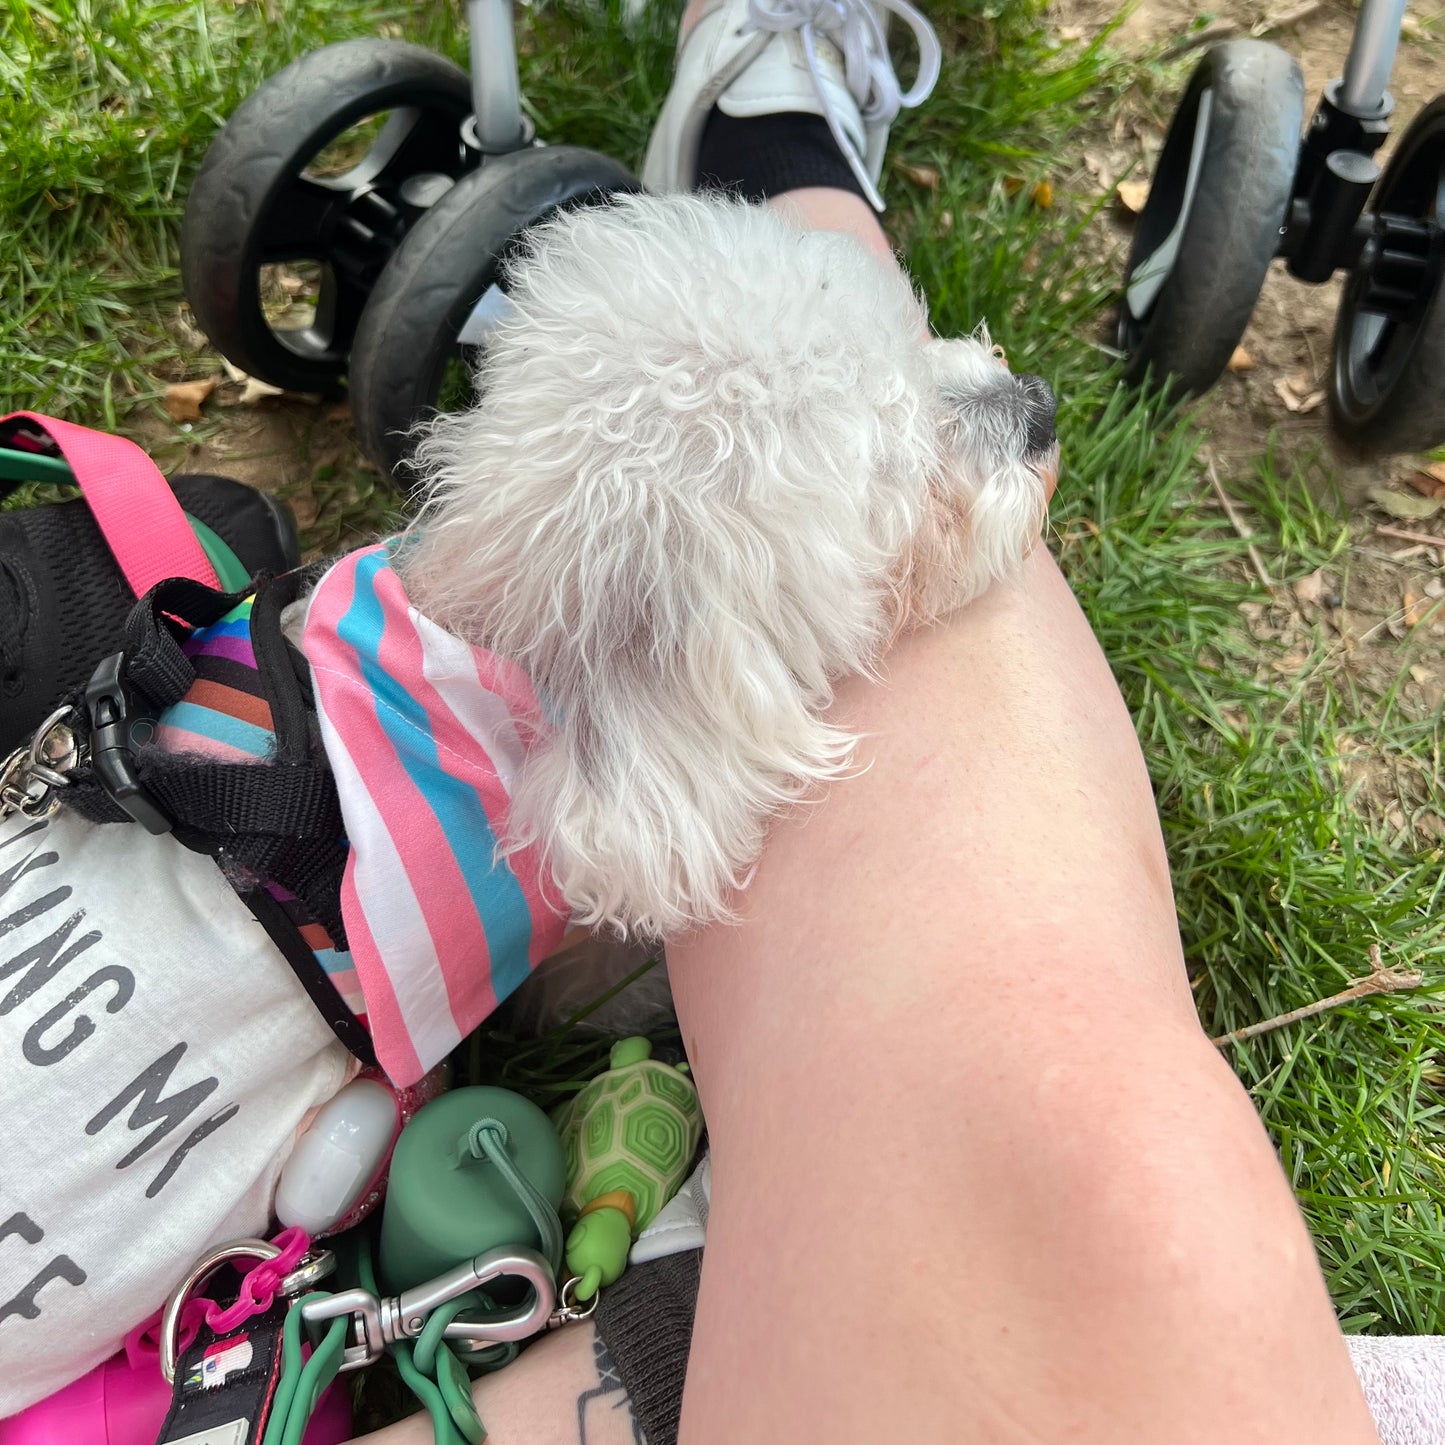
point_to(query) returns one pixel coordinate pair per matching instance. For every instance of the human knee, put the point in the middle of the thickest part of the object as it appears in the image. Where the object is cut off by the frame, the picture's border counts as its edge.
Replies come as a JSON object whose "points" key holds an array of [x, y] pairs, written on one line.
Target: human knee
{"points": [[1145, 1166]]}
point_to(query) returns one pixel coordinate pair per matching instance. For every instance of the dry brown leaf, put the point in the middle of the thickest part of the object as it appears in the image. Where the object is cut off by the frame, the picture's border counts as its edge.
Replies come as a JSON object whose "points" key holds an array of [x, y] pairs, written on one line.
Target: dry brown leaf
{"points": [[1298, 393], [1426, 484], [1416, 606], [926, 176], [1407, 506], [255, 391], [1422, 675], [183, 398], [1436, 470], [1240, 360], [1071, 32], [1132, 195], [1286, 393], [1312, 589], [1291, 663], [1043, 194]]}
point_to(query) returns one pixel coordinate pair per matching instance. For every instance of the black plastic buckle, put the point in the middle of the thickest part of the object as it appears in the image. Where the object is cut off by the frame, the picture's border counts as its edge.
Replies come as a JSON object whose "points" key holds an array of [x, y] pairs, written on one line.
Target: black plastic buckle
{"points": [[116, 726]]}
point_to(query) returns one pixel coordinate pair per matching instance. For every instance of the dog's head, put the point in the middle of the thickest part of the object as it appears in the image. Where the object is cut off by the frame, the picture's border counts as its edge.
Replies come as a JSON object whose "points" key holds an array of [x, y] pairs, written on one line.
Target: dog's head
{"points": [[714, 466], [996, 461]]}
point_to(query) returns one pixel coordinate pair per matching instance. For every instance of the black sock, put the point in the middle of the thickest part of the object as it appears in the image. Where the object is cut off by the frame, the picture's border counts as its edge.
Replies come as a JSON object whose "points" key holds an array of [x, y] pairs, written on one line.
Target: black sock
{"points": [[759, 157], [645, 1322]]}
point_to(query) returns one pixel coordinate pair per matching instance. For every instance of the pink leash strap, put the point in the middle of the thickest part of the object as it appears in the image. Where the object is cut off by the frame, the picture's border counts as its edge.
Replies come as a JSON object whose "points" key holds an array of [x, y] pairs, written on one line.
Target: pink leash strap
{"points": [[137, 513]]}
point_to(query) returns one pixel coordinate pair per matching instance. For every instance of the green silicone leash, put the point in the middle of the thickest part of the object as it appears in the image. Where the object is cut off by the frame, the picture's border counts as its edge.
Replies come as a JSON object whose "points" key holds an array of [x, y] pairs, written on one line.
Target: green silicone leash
{"points": [[445, 1428], [488, 1139], [448, 1399], [302, 1381]]}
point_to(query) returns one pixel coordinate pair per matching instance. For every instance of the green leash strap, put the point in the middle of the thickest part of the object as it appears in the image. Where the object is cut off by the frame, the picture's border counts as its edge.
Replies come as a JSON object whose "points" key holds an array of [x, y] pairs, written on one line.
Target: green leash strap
{"points": [[492, 1357], [444, 1388], [487, 1139], [302, 1381], [448, 1398]]}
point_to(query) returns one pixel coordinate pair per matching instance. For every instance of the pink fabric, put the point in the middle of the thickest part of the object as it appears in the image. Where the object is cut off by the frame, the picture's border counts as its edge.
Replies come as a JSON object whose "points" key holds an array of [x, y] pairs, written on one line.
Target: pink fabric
{"points": [[259, 1284], [425, 736], [137, 513]]}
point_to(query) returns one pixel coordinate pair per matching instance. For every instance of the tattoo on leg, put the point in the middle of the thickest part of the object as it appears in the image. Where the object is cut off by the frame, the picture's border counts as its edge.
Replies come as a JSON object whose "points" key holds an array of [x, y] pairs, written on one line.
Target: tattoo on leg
{"points": [[609, 1382]]}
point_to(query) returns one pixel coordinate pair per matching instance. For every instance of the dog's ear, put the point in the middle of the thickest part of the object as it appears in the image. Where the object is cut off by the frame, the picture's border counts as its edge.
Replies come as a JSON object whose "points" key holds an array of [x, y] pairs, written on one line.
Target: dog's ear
{"points": [[987, 493]]}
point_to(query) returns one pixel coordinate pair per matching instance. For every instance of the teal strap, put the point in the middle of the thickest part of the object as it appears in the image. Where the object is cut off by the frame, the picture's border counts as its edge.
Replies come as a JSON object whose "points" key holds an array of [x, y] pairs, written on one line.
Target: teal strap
{"points": [[301, 1383], [448, 1398], [433, 1334], [451, 1409], [17, 466], [487, 1139]]}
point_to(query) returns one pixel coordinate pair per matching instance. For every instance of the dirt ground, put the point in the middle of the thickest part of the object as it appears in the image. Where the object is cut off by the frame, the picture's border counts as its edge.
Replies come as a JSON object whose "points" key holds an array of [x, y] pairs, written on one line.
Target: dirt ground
{"points": [[1289, 339], [1380, 610]]}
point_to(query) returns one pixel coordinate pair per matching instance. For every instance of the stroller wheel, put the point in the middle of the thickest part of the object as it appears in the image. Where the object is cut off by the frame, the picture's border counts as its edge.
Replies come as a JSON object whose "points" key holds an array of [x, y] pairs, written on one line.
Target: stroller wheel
{"points": [[418, 340], [296, 181], [1212, 221], [1387, 386]]}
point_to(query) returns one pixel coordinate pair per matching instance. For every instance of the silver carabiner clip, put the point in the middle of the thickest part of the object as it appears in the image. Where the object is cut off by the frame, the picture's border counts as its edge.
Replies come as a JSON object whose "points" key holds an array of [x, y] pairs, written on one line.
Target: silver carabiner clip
{"points": [[377, 1323], [31, 774]]}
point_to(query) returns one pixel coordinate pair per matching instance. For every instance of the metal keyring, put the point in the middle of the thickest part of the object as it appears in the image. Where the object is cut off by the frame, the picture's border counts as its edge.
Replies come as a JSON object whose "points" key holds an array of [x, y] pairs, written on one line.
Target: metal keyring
{"points": [[196, 1276], [313, 1266], [567, 1311]]}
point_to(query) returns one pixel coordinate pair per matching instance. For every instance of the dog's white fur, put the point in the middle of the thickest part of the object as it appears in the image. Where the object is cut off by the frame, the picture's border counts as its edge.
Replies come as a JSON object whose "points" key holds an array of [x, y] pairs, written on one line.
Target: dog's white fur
{"points": [[715, 466]]}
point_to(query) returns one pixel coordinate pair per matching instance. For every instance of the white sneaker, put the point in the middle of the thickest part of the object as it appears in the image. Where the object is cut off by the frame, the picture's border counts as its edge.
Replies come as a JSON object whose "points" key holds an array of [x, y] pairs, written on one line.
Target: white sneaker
{"points": [[815, 57]]}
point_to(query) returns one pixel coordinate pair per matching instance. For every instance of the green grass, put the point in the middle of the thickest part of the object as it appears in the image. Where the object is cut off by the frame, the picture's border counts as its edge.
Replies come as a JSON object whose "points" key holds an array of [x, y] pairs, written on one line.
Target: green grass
{"points": [[1286, 863]]}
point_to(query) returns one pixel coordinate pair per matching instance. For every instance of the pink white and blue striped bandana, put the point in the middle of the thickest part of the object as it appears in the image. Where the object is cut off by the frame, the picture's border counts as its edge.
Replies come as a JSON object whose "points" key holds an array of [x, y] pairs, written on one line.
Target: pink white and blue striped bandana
{"points": [[426, 736]]}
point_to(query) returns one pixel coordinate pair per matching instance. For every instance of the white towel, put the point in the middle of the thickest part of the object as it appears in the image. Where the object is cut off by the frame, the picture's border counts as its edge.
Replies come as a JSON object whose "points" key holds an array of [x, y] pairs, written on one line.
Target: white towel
{"points": [[1404, 1382]]}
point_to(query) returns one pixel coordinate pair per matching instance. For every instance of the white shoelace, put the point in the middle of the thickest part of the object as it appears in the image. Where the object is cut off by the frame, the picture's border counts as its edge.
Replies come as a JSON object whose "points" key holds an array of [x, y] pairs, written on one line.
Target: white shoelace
{"points": [[868, 72]]}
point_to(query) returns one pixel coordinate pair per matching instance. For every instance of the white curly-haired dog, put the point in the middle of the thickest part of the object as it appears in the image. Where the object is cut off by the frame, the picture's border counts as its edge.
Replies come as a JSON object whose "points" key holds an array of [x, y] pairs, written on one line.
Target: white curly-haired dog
{"points": [[715, 466]]}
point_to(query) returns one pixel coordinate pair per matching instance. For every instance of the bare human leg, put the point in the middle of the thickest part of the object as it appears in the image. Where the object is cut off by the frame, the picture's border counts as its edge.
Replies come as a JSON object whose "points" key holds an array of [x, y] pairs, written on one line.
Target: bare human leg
{"points": [[978, 1175]]}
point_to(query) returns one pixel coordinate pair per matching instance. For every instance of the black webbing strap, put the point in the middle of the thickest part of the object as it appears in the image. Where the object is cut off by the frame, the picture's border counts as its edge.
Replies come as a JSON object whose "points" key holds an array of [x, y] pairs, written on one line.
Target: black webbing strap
{"points": [[155, 629], [278, 821], [313, 978]]}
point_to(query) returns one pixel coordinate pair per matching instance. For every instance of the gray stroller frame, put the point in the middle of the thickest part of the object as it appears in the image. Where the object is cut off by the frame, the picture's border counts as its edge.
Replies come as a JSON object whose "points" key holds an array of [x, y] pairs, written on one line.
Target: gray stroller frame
{"points": [[407, 241], [1235, 187]]}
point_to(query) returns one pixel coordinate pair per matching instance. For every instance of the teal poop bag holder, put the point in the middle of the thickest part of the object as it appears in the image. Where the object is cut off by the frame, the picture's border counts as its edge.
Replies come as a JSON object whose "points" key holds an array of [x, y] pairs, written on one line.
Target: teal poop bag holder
{"points": [[476, 1168]]}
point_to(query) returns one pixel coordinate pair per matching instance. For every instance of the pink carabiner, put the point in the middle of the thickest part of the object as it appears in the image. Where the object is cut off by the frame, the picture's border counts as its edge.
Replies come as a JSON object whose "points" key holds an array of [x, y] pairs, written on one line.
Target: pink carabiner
{"points": [[259, 1285]]}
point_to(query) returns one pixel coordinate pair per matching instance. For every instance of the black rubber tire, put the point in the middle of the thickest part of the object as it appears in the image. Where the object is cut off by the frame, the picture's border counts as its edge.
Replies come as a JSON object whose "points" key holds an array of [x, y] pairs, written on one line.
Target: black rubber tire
{"points": [[1388, 395], [251, 183], [1241, 199], [456, 252]]}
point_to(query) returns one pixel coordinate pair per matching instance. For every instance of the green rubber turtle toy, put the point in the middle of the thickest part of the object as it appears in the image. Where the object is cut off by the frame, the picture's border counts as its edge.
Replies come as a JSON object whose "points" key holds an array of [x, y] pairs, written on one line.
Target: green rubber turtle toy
{"points": [[628, 1138]]}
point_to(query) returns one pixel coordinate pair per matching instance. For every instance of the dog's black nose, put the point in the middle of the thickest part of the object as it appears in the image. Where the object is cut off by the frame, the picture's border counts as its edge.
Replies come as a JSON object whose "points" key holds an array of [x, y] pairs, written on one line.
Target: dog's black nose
{"points": [[1041, 405]]}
